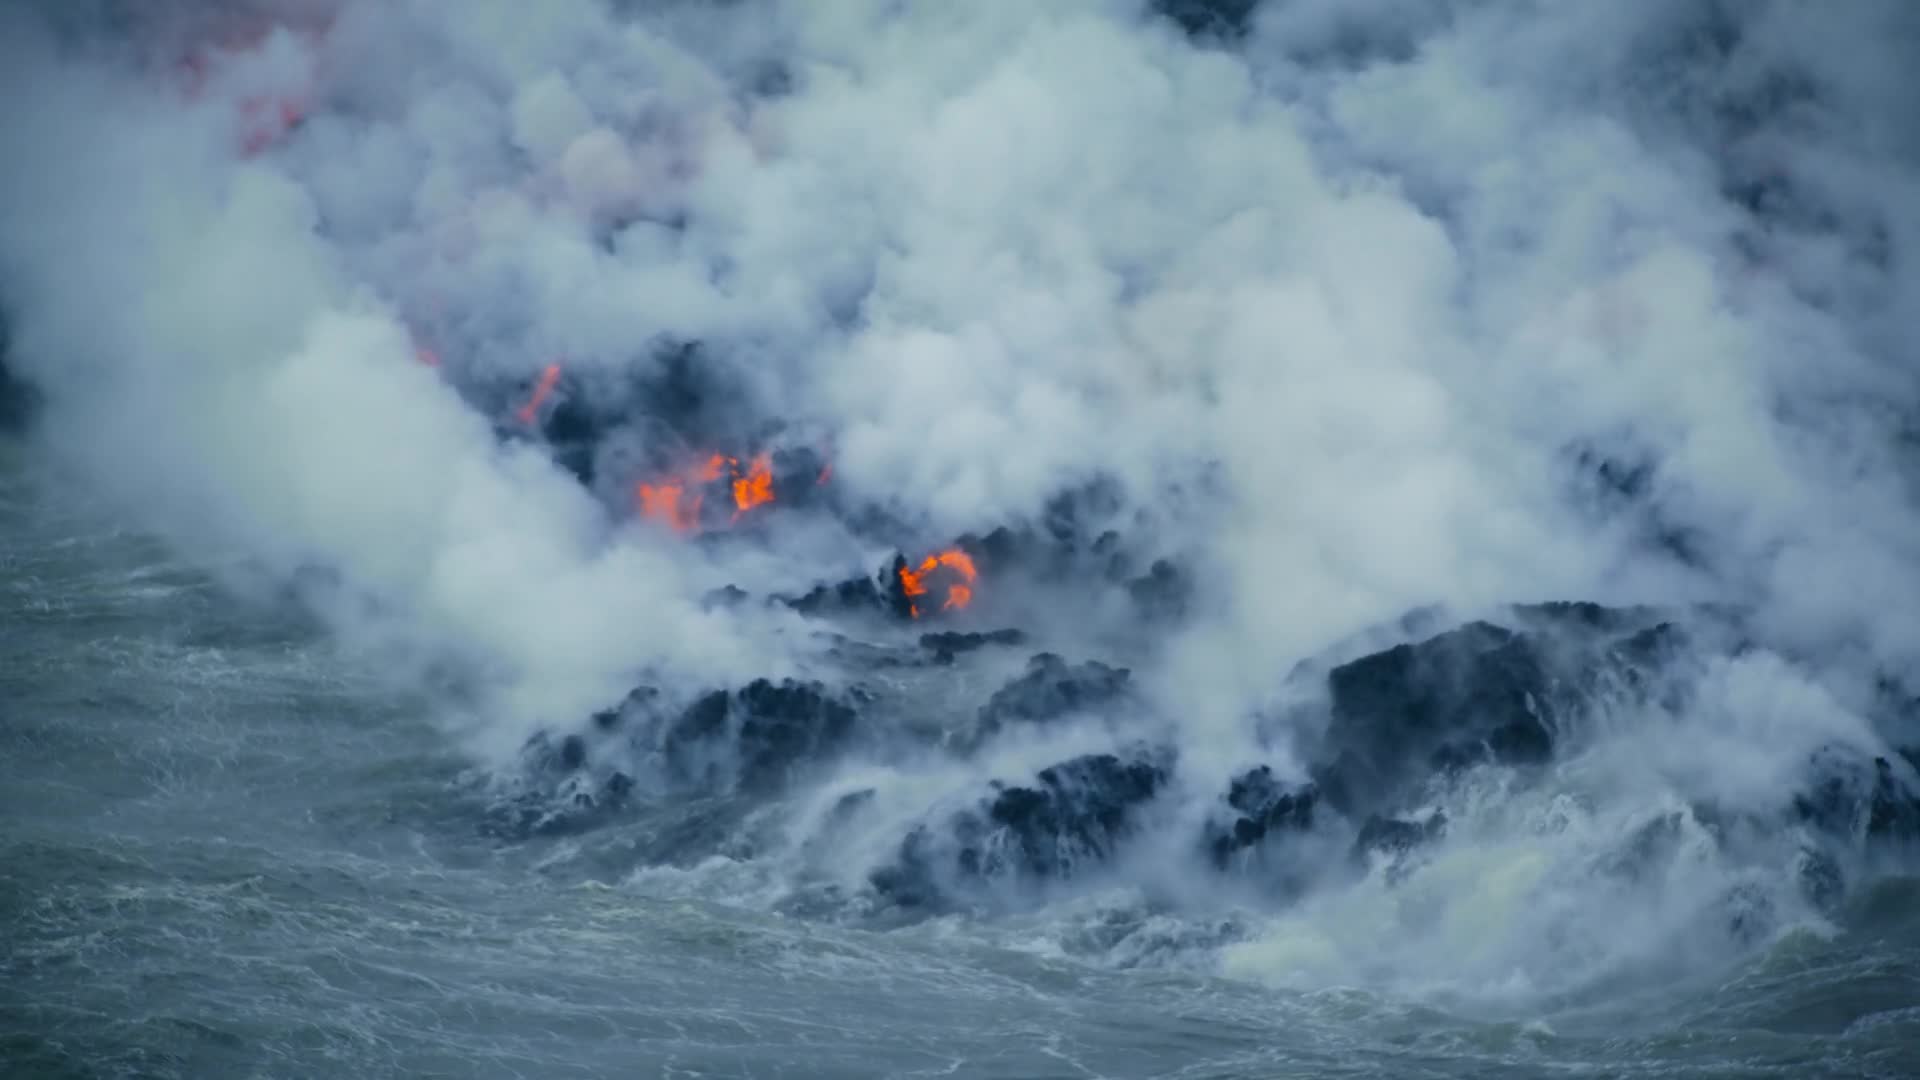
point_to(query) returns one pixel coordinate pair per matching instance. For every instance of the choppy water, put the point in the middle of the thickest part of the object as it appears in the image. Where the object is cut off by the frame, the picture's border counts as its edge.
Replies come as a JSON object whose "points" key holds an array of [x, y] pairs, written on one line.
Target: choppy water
{"points": [[229, 851]]}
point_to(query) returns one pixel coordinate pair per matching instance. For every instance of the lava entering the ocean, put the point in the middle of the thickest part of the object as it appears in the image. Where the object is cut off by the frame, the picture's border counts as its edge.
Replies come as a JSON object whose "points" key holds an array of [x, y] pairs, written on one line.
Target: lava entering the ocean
{"points": [[951, 571]]}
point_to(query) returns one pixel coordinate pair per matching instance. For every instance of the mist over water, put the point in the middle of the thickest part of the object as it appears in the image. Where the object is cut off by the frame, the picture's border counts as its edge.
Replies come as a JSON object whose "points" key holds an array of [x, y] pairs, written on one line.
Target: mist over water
{"points": [[575, 376]]}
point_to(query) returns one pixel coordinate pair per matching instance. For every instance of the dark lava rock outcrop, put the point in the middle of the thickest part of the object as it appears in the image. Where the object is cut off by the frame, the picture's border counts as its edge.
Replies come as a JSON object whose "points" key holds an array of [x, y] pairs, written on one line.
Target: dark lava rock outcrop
{"points": [[949, 644], [1209, 19], [1052, 688], [1480, 693], [1071, 816], [1261, 805], [1393, 727], [752, 741], [19, 401], [1856, 800], [757, 737]]}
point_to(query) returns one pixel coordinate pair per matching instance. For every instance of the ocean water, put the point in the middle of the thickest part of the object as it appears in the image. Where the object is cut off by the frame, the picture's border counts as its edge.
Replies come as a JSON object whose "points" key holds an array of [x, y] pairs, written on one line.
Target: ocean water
{"points": [[231, 851]]}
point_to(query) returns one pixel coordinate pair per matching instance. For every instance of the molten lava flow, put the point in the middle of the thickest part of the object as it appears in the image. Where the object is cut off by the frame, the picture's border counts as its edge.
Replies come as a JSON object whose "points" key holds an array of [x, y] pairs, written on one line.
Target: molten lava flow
{"points": [[755, 488], [548, 378], [668, 500], [952, 570]]}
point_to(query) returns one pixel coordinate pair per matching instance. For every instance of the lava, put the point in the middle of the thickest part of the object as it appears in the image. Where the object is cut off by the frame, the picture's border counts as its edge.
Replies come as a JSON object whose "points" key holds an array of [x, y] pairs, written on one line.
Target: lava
{"points": [[549, 377], [668, 502], [677, 500], [951, 571], [755, 488]]}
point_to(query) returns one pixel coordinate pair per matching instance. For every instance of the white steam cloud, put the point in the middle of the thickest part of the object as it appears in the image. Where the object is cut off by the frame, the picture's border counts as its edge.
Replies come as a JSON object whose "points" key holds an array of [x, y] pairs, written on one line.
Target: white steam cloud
{"points": [[1353, 295]]}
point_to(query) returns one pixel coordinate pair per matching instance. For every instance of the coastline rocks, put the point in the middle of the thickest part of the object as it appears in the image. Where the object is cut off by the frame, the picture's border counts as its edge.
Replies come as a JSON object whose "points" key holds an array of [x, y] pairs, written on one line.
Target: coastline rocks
{"points": [[1478, 694], [756, 738], [1071, 816], [1051, 688], [1514, 693]]}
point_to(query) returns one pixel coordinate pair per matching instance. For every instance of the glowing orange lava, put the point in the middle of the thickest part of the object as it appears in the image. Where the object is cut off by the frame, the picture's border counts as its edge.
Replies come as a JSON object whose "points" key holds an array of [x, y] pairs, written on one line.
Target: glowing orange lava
{"points": [[755, 488], [952, 570], [541, 390], [669, 501]]}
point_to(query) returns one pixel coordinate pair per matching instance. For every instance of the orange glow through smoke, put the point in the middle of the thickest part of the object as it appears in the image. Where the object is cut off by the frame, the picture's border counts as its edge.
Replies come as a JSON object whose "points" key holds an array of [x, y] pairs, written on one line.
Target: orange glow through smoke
{"points": [[262, 119], [755, 488], [541, 390], [952, 570], [669, 501]]}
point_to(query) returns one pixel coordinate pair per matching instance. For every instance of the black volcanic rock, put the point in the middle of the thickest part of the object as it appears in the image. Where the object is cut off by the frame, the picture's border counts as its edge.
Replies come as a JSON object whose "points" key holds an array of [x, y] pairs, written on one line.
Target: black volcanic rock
{"points": [[1475, 693], [1222, 19], [727, 596], [1051, 688], [879, 594], [947, 644], [1074, 811], [639, 702], [19, 401], [1480, 693], [1397, 836], [1163, 592], [1893, 811], [800, 473], [1855, 800], [1004, 549], [563, 795], [1073, 815], [1264, 806], [755, 738]]}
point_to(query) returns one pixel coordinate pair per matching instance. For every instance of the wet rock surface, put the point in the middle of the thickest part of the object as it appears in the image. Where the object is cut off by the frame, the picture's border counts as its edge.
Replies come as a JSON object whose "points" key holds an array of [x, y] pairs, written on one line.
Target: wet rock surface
{"points": [[1478, 694], [946, 646], [756, 738], [1204, 19], [1853, 798], [1051, 688], [1510, 693], [19, 401], [1072, 816], [1261, 805]]}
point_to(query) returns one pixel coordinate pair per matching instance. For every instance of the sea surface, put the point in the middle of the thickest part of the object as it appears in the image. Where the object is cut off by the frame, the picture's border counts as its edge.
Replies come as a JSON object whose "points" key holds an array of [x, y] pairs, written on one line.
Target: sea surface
{"points": [[231, 851]]}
